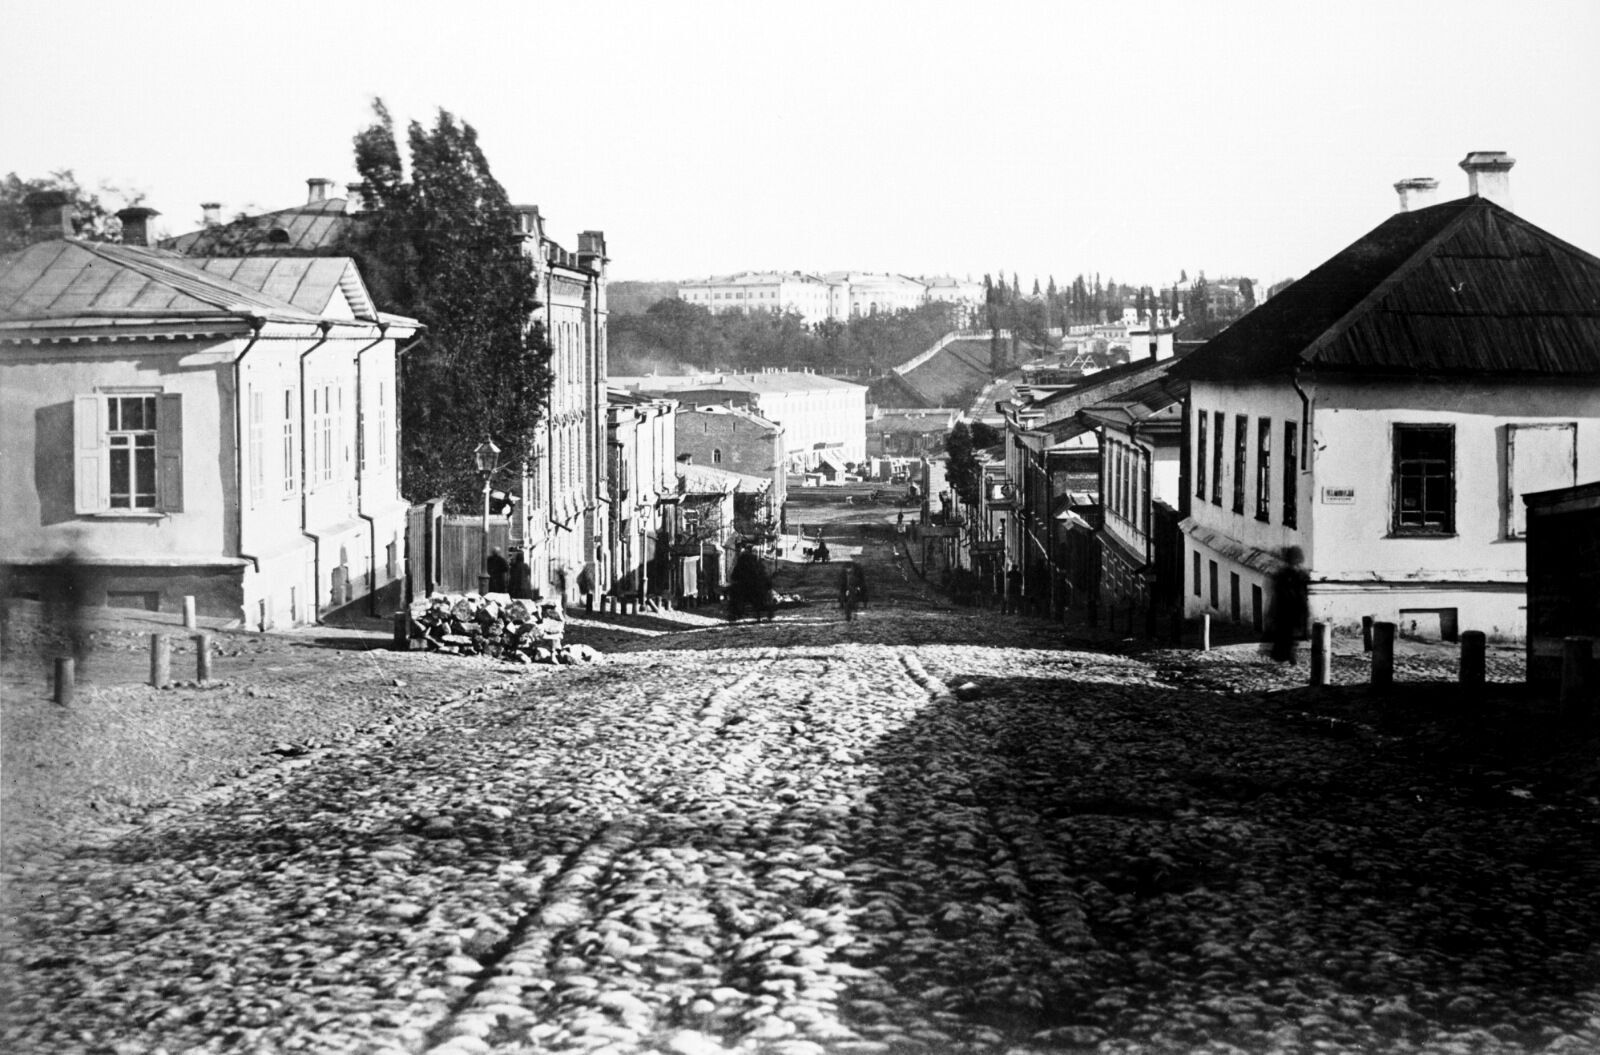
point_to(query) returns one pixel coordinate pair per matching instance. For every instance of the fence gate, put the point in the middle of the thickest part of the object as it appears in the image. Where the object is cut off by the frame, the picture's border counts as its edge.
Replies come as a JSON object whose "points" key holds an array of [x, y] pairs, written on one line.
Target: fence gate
{"points": [[461, 550]]}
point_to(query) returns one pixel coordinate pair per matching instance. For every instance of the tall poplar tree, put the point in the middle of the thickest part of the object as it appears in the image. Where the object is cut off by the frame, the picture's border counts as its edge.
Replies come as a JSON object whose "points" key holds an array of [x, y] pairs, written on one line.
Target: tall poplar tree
{"points": [[442, 248]]}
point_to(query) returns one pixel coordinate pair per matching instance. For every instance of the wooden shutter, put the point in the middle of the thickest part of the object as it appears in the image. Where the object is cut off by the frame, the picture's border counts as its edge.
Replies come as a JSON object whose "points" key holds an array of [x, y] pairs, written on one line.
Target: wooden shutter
{"points": [[92, 467], [169, 449], [1538, 458]]}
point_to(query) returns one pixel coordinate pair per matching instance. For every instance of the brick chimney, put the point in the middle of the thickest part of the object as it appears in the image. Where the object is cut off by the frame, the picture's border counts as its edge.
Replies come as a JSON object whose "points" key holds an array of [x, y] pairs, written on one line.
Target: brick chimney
{"points": [[53, 210], [1486, 175], [317, 190], [1416, 193], [136, 224], [355, 198], [211, 213]]}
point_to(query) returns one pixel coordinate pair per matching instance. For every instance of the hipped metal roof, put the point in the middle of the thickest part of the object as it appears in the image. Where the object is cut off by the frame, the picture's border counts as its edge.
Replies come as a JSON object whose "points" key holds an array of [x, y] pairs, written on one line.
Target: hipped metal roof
{"points": [[1462, 288], [84, 287]]}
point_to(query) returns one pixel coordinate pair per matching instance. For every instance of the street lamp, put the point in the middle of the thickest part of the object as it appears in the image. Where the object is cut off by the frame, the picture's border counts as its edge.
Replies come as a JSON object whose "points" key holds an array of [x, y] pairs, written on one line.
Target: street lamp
{"points": [[485, 455]]}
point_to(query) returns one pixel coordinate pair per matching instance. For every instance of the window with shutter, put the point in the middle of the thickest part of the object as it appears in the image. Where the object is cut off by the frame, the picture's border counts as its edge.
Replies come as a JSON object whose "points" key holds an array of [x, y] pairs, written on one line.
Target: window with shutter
{"points": [[128, 453]]}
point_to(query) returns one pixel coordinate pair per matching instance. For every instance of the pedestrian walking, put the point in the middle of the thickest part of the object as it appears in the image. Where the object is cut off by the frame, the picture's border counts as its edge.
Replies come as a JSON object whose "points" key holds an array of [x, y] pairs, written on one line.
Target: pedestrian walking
{"points": [[748, 585], [1291, 587], [496, 566], [852, 589]]}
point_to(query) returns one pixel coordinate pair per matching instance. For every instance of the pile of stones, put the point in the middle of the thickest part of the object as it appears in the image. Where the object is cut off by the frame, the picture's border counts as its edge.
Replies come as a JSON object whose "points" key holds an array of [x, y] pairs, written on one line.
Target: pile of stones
{"points": [[497, 626]]}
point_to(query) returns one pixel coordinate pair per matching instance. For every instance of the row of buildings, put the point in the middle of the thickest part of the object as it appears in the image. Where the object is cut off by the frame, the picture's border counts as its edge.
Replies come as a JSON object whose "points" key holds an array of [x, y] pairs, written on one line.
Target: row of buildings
{"points": [[218, 417], [836, 295], [1386, 416]]}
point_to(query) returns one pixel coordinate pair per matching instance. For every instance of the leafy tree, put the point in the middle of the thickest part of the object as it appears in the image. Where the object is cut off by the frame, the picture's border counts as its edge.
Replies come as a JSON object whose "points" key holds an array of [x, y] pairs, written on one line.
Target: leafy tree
{"points": [[440, 247], [1247, 290], [961, 446]]}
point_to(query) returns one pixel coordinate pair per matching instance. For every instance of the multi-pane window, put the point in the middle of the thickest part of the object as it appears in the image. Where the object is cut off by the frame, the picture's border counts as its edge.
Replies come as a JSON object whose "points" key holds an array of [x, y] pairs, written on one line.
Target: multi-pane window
{"points": [[291, 466], [1291, 473], [1201, 453], [258, 454], [1424, 479], [1217, 425], [1263, 468], [1241, 431], [131, 439], [324, 427], [383, 427]]}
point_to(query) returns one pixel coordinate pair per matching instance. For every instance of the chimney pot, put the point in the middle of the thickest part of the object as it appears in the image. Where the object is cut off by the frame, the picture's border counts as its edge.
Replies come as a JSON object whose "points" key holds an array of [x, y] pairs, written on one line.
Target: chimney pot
{"points": [[1418, 192], [355, 197], [317, 190], [136, 224], [1487, 175], [211, 213]]}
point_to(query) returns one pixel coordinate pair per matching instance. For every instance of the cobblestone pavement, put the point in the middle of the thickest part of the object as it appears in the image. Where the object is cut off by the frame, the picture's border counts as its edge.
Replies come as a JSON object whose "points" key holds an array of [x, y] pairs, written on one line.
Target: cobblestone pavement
{"points": [[926, 830]]}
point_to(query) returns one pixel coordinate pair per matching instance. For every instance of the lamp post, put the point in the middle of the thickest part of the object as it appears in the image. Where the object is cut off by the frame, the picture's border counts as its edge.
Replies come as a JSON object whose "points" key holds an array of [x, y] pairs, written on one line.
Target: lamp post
{"points": [[485, 455]]}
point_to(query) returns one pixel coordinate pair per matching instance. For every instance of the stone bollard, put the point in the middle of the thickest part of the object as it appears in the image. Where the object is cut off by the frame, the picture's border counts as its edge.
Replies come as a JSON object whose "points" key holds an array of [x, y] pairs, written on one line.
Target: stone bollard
{"points": [[188, 613], [402, 631], [202, 658], [160, 661], [1383, 655], [1577, 656], [66, 680], [1366, 633], [1205, 632], [1474, 660], [1321, 650]]}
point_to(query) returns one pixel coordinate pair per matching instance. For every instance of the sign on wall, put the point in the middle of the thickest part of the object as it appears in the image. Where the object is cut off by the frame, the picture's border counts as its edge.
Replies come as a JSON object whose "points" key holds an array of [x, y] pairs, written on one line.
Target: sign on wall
{"points": [[1338, 496]]}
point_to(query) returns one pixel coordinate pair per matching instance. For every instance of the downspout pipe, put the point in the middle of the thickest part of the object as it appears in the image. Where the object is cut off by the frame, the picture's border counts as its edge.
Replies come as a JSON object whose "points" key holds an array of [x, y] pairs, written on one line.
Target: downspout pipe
{"points": [[361, 475], [1305, 420], [256, 325], [305, 480]]}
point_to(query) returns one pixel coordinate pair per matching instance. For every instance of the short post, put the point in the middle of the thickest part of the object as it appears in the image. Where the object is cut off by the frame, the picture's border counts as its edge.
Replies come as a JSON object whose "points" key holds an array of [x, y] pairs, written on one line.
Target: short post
{"points": [[1577, 654], [1383, 655], [1474, 660], [202, 657], [160, 661], [188, 613], [1205, 632], [66, 679], [1321, 646], [1366, 633], [402, 631]]}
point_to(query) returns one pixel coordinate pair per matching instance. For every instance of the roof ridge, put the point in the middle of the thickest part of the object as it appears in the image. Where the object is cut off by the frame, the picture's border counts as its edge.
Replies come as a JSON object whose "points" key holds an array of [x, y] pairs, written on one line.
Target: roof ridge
{"points": [[222, 294], [1382, 288]]}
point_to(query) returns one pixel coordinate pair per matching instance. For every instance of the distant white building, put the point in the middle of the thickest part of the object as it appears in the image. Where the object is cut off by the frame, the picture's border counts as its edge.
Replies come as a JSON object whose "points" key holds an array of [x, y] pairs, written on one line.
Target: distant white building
{"points": [[774, 291], [855, 293], [817, 413]]}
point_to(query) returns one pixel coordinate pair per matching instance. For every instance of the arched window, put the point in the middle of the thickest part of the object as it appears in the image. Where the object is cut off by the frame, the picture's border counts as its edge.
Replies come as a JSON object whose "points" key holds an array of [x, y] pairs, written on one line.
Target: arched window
{"points": [[716, 456]]}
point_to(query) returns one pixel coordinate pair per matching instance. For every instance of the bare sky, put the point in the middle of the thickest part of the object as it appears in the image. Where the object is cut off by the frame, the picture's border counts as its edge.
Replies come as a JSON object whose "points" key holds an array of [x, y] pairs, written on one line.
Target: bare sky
{"points": [[923, 137]]}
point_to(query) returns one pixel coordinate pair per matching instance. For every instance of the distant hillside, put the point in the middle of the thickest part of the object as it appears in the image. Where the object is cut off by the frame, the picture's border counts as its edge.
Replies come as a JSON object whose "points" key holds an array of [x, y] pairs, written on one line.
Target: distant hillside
{"points": [[632, 298]]}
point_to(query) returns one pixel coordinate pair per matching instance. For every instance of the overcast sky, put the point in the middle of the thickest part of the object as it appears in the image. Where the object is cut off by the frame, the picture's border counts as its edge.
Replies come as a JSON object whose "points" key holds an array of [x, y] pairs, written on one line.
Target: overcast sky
{"points": [[920, 137]]}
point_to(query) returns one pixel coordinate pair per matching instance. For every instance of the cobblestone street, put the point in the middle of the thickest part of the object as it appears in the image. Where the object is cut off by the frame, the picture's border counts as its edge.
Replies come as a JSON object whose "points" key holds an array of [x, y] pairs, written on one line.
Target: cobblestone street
{"points": [[931, 829]]}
